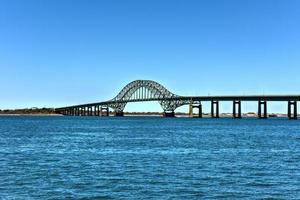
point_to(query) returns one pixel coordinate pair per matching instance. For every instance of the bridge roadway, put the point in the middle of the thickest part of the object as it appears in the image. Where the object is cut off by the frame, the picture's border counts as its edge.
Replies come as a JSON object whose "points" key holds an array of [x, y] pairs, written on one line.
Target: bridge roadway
{"points": [[144, 90]]}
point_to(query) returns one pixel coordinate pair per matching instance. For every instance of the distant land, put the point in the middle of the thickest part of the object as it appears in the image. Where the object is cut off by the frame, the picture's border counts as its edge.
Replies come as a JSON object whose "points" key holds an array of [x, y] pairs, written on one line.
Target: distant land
{"points": [[51, 111], [28, 111]]}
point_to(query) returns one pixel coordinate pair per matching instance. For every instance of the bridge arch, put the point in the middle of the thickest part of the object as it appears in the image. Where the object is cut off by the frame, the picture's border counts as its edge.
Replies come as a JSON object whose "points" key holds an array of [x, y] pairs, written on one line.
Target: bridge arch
{"points": [[146, 90]]}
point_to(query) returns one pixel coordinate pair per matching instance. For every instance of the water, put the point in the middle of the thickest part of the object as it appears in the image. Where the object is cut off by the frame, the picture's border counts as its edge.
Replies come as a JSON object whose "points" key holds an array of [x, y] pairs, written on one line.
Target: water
{"points": [[148, 158]]}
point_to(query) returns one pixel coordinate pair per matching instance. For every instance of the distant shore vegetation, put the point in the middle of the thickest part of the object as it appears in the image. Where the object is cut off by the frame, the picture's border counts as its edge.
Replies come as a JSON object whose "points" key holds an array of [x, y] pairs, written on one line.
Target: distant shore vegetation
{"points": [[28, 111]]}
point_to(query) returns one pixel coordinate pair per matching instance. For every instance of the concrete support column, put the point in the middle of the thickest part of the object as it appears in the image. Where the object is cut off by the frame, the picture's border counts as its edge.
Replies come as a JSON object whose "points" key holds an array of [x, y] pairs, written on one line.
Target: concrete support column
{"points": [[237, 113], [263, 115], [200, 110], [213, 105], [169, 114], [107, 111], [191, 110], [98, 110], [292, 113], [119, 113], [104, 111]]}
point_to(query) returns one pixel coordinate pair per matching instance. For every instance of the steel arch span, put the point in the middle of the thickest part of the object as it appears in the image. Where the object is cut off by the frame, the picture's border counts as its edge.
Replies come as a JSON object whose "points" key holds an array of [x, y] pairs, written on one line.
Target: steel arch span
{"points": [[146, 90]]}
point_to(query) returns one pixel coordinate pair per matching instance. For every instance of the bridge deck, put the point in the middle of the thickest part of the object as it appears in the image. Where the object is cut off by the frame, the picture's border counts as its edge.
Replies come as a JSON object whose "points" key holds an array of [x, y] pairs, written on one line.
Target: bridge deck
{"points": [[199, 98]]}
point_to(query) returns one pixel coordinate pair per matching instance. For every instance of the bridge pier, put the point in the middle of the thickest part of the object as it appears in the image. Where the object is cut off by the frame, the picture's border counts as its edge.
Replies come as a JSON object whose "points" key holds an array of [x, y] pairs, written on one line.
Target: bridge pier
{"points": [[104, 111], [264, 114], [213, 105], [237, 112], [119, 113], [292, 113], [191, 109], [82, 111], [91, 111], [169, 114], [98, 110], [87, 110]]}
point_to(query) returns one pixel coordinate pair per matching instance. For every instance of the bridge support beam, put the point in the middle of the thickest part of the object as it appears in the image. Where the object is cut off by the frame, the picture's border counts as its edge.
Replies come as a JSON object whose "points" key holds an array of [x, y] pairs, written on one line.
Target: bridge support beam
{"points": [[104, 111], [87, 111], [262, 113], [213, 105], [83, 111], [237, 110], [169, 114], [94, 110], [98, 110], [292, 110], [119, 113], [91, 111], [191, 109]]}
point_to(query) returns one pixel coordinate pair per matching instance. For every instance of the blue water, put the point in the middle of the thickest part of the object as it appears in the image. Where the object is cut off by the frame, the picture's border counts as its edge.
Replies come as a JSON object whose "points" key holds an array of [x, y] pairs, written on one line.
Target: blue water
{"points": [[148, 158]]}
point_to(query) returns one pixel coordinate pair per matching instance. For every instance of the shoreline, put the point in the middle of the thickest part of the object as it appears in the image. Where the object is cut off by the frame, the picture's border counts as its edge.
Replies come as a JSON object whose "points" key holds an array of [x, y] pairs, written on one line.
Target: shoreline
{"points": [[141, 115], [31, 115]]}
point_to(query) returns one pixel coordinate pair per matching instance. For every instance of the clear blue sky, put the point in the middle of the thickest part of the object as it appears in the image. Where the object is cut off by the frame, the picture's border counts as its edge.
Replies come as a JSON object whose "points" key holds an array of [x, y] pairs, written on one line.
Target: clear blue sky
{"points": [[62, 52]]}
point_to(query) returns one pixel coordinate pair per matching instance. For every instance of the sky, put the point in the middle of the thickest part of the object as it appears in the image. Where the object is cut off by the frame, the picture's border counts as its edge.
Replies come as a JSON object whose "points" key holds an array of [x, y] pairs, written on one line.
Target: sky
{"points": [[64, 52]]}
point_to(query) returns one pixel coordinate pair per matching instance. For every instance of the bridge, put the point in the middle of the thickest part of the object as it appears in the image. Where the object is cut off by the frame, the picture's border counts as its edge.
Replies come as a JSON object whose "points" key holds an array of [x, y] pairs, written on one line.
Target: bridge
{"points": [[147, 90]]}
